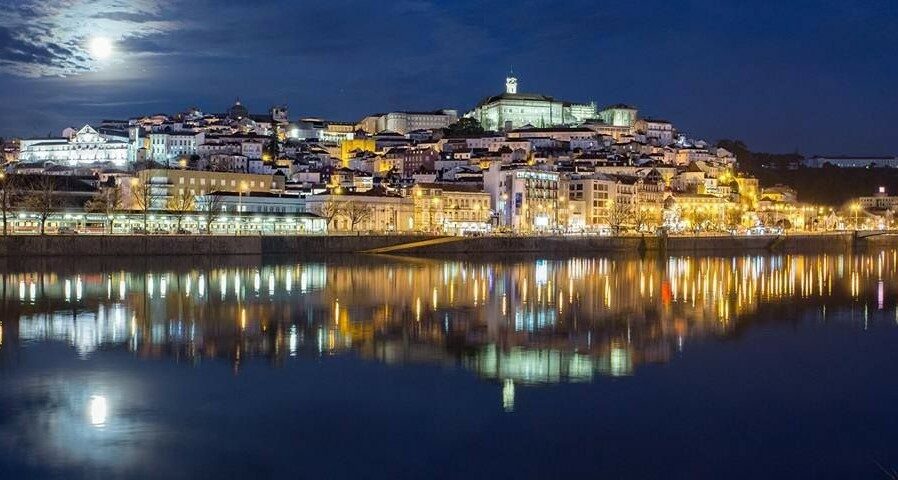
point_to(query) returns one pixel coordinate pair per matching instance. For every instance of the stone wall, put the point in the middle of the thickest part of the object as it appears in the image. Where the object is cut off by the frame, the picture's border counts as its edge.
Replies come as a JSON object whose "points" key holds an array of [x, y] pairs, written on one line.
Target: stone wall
{"points": [[190, 245]]}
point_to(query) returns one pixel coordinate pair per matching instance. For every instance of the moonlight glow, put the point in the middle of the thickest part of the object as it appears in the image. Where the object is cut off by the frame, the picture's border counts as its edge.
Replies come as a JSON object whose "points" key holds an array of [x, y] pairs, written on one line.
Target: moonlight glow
{"points": [[100, 48], [98, 410]]}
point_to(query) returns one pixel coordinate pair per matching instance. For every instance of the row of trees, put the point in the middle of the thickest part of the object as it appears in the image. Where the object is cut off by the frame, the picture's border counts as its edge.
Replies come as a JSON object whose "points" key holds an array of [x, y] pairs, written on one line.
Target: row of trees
{"points": [[643, 218], [354, 212], [144, 198], [39, 196]]}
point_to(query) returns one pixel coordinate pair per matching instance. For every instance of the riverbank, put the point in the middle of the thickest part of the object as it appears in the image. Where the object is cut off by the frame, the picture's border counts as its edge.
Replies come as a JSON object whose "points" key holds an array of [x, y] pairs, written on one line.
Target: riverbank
{"points": [[193, 245]]}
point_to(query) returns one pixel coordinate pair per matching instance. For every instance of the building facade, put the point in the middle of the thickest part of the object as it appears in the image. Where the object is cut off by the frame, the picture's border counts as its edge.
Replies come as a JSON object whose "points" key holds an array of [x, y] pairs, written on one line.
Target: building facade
{"points": [[510, 110], [84, 147], [523, 199], [444, 207]]}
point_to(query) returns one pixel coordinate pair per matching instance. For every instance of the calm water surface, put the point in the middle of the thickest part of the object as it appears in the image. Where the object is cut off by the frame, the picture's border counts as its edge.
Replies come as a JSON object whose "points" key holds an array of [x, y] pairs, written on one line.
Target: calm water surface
{"points": [[380, 367]]}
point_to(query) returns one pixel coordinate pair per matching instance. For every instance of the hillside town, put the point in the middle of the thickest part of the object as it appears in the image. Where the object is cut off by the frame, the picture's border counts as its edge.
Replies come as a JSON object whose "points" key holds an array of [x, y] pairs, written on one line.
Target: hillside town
{"points": [[515, 163]]}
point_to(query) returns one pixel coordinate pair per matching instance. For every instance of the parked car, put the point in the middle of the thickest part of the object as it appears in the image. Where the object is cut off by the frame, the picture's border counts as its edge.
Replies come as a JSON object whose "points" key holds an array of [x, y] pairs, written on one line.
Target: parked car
{"points": [[183, 231], [139, 231], [160, 231], [66, 231]]}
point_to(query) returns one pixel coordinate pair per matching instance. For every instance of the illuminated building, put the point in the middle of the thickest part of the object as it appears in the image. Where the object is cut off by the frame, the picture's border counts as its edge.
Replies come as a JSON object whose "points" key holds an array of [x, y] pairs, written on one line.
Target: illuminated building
{"points": [[167, 147], [170, 182], [85, 147], [524, 199], [850, 162], [657, 132], [880, 201], [444, 207], [405, 122], [510, 110], [350, 146], [374, 210], [619, 115]]}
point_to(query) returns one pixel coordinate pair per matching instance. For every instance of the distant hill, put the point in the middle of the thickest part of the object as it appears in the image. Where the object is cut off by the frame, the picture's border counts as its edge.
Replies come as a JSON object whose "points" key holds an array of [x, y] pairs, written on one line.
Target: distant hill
{"points": [[828, 185]]}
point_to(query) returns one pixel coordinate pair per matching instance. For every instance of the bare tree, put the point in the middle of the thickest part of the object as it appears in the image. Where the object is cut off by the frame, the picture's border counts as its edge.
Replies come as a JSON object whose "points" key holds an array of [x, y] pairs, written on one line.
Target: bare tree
{"points": [[9, 196], [733, 218], [357, 213], [646, 217], [40, 199], [618, 214], [700, 219], [108, 201], [143, 198], [179, 204], [211, 207], [330, 209]]}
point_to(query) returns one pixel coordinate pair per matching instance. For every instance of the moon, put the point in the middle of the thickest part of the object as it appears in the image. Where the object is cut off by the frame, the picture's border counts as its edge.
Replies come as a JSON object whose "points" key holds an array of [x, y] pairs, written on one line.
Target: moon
{"points": [[100, 48]]}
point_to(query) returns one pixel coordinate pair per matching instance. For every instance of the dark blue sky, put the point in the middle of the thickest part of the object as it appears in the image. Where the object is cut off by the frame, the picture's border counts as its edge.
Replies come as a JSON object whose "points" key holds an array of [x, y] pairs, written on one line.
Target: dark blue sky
{"points": [[814, 76]]}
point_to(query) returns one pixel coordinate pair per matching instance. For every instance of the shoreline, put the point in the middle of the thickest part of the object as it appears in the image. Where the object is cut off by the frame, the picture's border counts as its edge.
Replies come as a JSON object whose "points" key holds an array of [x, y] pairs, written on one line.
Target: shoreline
{"points": [[426, 245]]}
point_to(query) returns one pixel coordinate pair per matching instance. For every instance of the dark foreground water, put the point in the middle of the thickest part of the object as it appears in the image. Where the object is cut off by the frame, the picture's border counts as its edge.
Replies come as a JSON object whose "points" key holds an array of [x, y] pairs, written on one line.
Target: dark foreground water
{"points": [[366, 367]]}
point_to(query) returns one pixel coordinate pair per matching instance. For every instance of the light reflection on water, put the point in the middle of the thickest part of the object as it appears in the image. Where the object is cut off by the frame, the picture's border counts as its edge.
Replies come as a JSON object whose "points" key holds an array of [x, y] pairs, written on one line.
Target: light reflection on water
{"points": [[515, 324], [533, 321]]}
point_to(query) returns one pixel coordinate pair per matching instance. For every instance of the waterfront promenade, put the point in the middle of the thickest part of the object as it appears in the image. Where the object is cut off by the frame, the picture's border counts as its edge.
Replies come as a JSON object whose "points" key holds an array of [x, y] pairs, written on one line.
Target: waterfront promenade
{"points": [[190, 245]]}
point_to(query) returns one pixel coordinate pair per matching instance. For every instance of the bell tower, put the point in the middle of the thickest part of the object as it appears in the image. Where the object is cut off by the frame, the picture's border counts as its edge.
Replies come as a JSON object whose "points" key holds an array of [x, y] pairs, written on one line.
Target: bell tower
{"points": [[511, 83]]}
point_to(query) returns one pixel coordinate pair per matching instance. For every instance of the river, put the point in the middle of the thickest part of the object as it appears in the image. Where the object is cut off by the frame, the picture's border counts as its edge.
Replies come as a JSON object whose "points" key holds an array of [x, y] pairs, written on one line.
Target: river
{"points": [[399, 367]]}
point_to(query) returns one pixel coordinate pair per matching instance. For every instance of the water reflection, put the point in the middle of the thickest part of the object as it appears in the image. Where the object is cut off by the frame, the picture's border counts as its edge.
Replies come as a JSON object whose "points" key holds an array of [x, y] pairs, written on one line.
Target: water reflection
{"points": [[518, 322]]}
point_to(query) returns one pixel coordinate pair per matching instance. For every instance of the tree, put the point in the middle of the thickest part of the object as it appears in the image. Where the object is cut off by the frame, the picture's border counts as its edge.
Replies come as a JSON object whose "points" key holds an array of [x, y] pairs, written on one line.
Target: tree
{"points": [[357, 213], [699, 219], [143, 198], [646, 218], [108, 201], [464, 127], [211, 207], [618, 214], [9, 196], [179, 204], [330, 209], [40, 199], [733, 217]]}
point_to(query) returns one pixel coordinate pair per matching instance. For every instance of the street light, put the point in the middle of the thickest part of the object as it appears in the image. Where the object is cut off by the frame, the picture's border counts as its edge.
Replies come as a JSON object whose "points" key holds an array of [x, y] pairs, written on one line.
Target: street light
{"points": [[855, 207]]}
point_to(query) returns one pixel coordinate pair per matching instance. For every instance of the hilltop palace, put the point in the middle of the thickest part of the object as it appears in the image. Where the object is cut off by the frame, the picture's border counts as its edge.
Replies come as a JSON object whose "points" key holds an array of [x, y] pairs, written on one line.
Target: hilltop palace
{"points": [[510, 110]]}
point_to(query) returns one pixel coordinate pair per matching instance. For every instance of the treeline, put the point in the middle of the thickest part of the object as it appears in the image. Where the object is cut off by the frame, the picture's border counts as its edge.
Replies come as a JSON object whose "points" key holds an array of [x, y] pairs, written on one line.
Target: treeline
{"points": [[827, 186]]}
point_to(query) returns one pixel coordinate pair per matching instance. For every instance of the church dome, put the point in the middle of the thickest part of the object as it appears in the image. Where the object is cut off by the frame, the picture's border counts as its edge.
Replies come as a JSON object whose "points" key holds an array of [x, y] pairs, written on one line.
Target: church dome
{"points": [[237, 111]]}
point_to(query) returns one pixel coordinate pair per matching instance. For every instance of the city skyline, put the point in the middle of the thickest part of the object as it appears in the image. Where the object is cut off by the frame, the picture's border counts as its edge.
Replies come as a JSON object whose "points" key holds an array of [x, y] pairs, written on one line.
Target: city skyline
{"points": [[765, 84]]}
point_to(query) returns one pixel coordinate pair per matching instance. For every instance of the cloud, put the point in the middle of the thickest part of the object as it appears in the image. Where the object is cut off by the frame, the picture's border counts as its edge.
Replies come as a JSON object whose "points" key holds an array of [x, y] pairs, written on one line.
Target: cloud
{"points": [[48, 39]]}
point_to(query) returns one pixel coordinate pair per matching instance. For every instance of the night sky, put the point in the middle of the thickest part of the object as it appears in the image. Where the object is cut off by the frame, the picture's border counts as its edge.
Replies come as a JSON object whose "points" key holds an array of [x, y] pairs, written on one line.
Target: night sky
{"points": [[819, 77]]}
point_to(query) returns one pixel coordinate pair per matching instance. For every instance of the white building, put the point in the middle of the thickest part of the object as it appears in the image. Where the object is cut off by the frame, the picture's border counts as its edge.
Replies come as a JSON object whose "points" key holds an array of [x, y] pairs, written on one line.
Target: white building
{"points": [[511, 110], [86, 146], [659, 132], [524, 199], [405, 122], [252, 202], [167, 147]]}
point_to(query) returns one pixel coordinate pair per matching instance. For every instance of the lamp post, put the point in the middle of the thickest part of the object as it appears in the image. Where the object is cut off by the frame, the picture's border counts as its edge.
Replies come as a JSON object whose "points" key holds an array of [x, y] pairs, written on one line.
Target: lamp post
{"points": [[855, 207]]}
